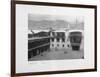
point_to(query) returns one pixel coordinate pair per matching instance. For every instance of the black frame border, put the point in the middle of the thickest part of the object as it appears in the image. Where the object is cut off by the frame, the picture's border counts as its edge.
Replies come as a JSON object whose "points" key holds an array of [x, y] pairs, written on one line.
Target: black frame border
{"points": [[13, 37]]}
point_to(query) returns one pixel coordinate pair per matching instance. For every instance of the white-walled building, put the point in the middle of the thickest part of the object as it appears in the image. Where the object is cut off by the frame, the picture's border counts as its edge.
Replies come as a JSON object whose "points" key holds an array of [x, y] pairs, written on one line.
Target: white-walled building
{"points": [[60, 39]]}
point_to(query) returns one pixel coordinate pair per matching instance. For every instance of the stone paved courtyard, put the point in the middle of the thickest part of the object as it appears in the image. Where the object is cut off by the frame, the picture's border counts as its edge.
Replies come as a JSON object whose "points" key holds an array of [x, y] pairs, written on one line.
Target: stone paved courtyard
{"points": [[59, 55]]}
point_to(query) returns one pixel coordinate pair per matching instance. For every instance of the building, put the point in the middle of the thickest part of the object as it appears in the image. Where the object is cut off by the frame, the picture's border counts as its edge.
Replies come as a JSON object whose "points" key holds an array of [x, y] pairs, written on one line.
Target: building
{"points": [[55, 40], [60, 39], [38, 43]]}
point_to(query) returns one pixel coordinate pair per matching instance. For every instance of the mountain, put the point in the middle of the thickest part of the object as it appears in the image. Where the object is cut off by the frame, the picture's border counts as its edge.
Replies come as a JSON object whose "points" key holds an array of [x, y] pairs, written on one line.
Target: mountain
{"points": [[55, 24], [44, 24]]}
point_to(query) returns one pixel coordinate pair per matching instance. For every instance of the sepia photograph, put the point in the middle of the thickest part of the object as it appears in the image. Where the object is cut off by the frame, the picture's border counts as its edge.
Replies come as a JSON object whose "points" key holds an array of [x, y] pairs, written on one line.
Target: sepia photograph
{"points": [[55, 37]]}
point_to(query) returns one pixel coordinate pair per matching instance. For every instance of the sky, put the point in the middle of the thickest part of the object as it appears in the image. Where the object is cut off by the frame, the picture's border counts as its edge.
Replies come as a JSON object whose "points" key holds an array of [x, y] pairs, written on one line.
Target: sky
{"points": [[71, 19], [38, 21]]}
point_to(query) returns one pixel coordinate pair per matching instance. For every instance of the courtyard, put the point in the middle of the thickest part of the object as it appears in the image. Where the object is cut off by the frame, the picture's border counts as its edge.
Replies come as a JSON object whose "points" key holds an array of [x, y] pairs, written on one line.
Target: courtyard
{"points": [[59, 55]]}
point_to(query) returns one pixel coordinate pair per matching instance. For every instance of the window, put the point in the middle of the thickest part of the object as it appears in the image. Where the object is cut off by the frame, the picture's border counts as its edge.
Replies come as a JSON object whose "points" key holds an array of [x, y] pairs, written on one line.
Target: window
{"points": [[63, 39], [67, 45], [52, 39], [58, 39], [53, 33], [60, 34], [57, 45], [63, 45]]}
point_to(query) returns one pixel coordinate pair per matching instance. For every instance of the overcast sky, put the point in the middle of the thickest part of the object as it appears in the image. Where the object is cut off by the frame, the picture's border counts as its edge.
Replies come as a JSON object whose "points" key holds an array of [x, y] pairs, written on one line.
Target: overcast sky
{"points": [[37, 22], [55, 17]]}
